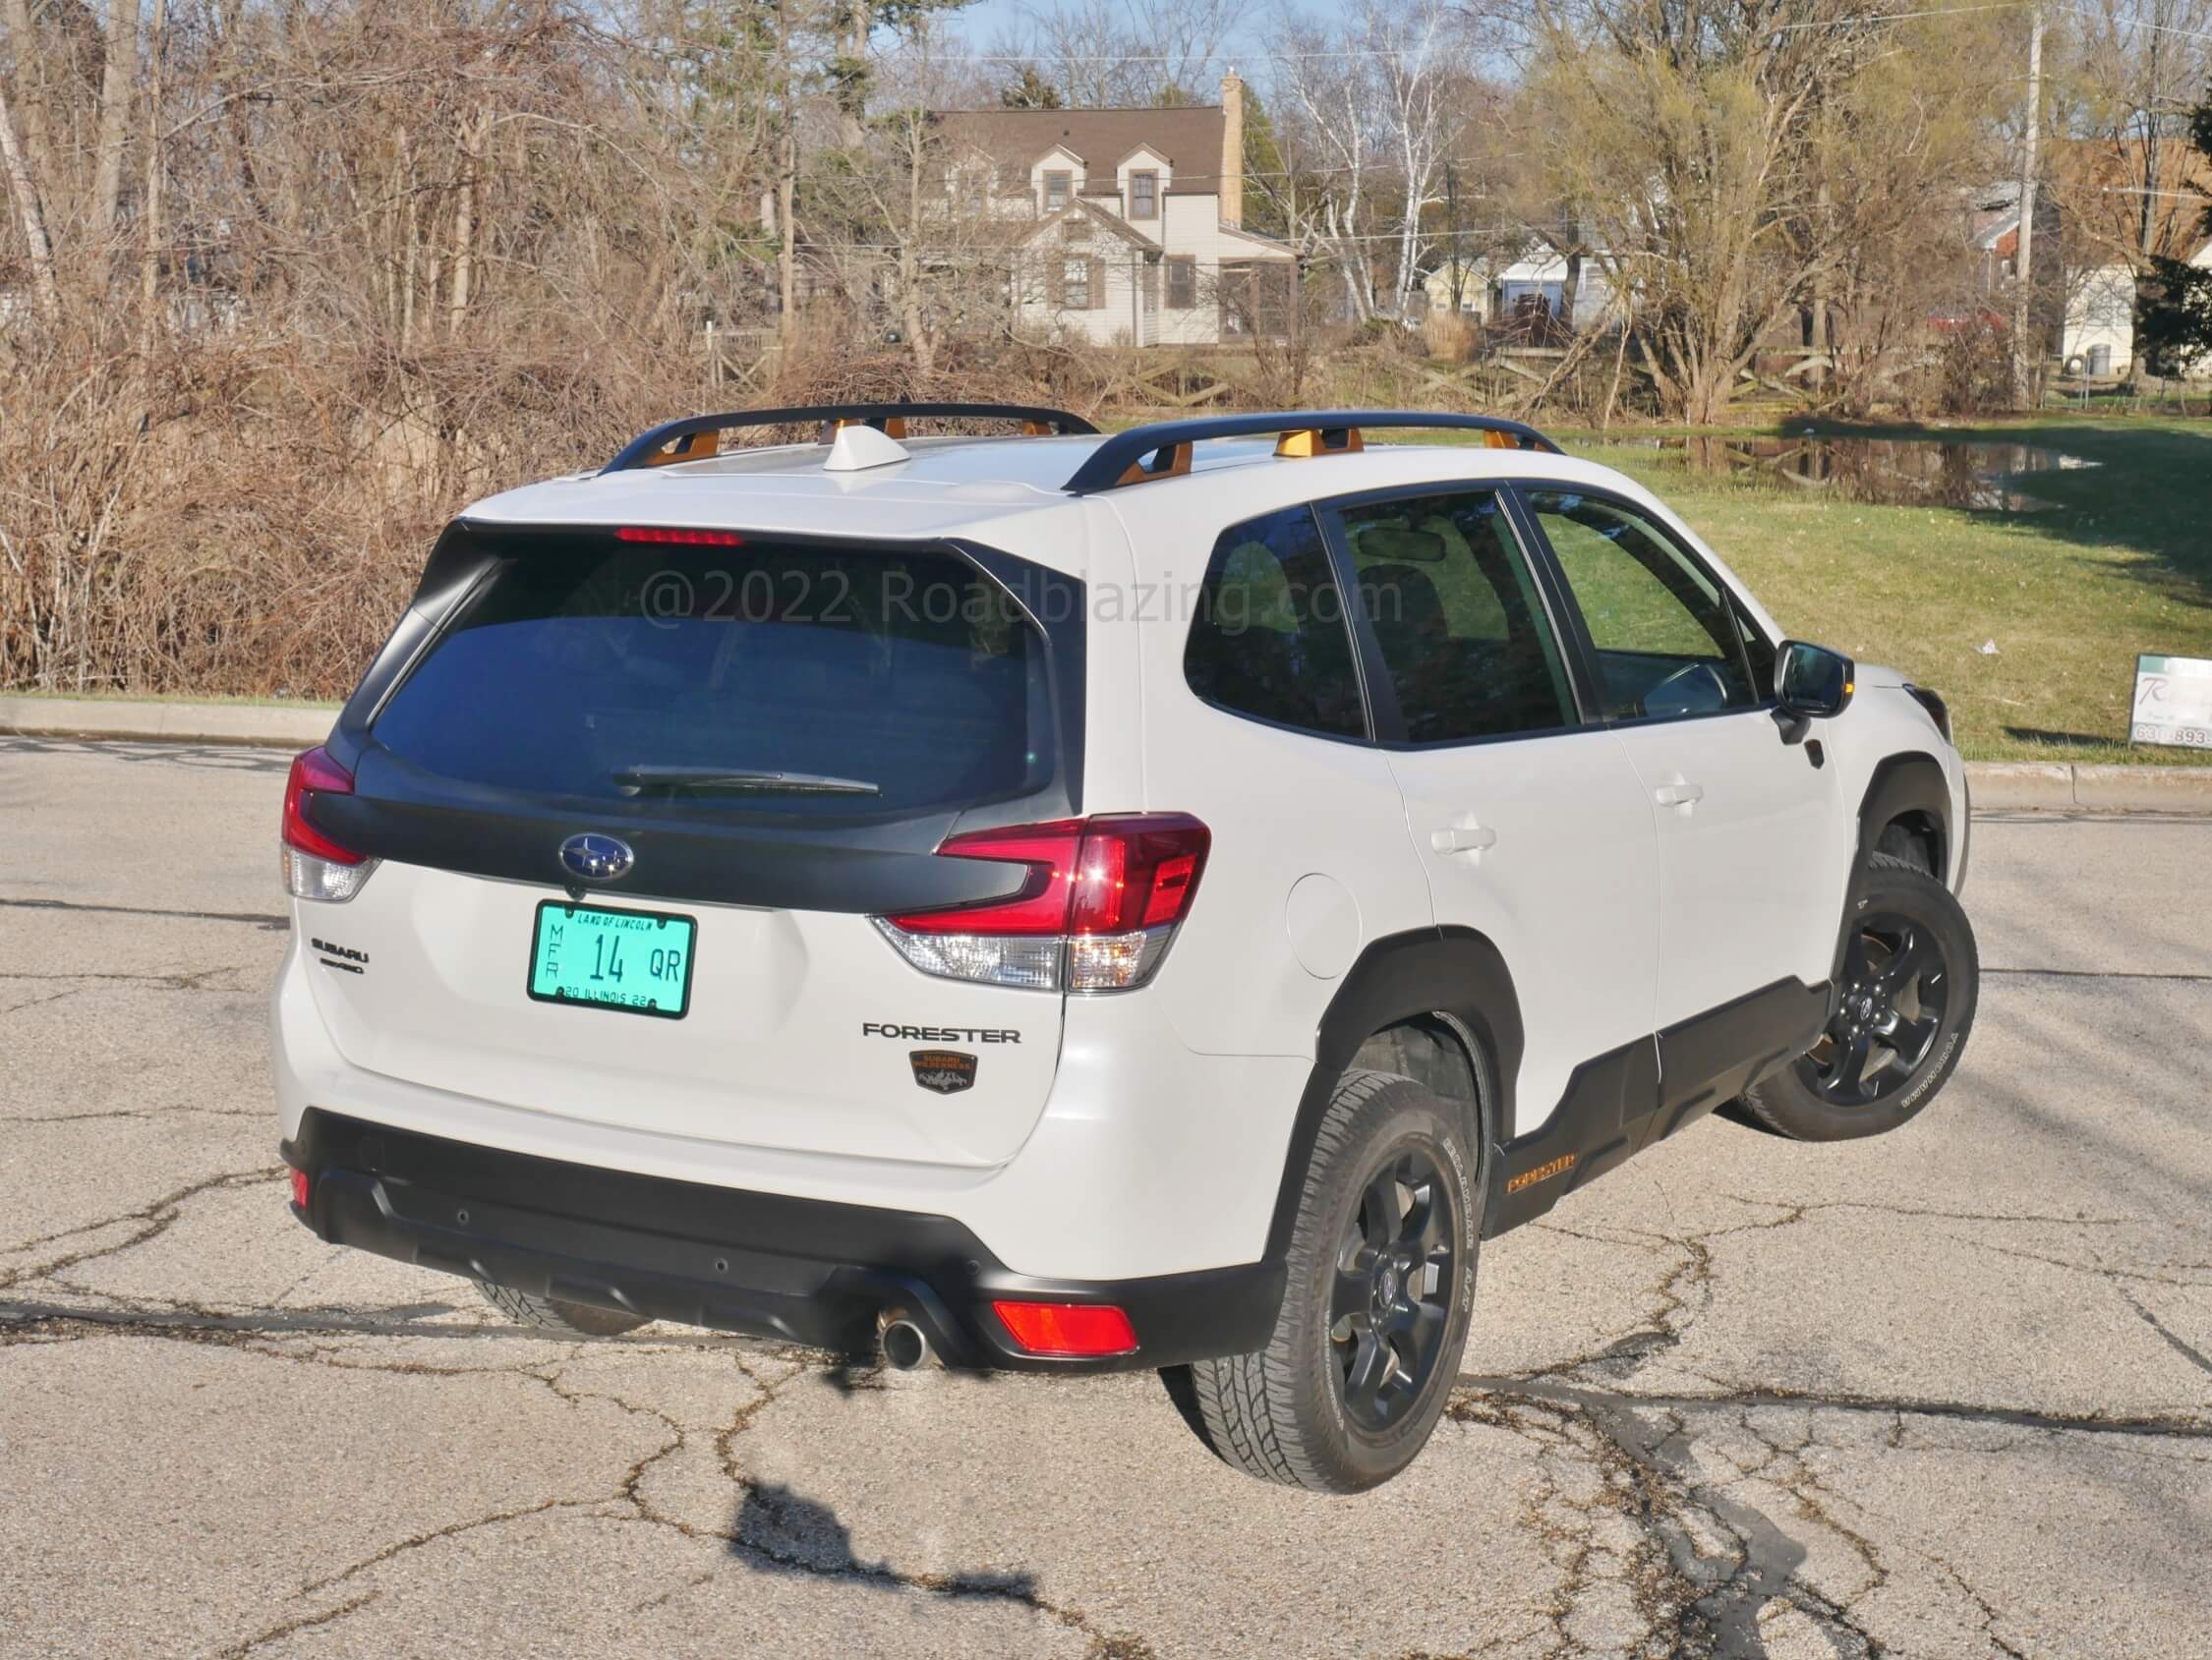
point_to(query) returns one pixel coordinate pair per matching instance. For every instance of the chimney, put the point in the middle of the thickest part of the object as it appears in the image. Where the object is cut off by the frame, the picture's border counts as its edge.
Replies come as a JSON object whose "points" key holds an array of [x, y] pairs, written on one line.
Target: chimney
{"points": [[1232, 150]]}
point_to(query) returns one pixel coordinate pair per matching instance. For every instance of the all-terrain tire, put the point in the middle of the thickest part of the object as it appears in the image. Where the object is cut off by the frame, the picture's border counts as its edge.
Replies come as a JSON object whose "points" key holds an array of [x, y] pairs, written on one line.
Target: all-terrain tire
{"points": [[1788, 1102], [1281, 1415], [581, 1319]]}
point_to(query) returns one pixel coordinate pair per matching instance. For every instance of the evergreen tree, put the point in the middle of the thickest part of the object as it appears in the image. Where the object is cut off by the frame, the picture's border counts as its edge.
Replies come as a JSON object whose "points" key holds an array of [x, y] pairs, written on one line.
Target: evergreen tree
{"points": [[2174, 330], [1030, 90]]}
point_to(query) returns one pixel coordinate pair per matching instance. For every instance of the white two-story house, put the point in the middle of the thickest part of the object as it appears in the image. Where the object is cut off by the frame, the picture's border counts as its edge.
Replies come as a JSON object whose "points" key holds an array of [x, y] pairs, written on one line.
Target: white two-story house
{"points": [[1126, 225]]}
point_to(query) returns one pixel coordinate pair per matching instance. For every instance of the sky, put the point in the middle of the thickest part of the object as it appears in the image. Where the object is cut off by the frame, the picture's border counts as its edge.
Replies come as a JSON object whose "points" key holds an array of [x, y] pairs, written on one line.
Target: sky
{"points": [[982, 23]]}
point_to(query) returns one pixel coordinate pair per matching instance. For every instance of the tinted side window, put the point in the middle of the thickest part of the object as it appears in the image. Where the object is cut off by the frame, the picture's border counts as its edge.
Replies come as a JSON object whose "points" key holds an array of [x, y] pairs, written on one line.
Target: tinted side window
{"points": [[1456, 613], [1270, 638], [1667, 639]]}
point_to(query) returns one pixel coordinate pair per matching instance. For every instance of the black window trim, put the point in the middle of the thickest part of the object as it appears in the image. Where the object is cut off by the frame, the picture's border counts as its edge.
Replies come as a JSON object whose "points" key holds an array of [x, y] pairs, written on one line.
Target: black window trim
{"points": [[1585, 649], [1384, 715]]}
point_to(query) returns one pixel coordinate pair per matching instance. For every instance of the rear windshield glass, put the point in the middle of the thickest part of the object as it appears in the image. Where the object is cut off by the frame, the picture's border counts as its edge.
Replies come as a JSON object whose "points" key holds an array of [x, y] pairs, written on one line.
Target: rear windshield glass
{"points": [[594, 667]]}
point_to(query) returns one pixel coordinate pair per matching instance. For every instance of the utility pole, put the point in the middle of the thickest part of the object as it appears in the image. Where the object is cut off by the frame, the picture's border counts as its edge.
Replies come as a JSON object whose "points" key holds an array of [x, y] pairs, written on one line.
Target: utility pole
{"points": [[1459, 243], [2024, 357]]}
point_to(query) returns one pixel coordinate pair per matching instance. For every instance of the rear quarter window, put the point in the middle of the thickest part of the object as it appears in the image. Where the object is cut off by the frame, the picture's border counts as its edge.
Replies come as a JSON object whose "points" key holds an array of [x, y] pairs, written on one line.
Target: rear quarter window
{"points": [[1270, 638], [582, 657]]}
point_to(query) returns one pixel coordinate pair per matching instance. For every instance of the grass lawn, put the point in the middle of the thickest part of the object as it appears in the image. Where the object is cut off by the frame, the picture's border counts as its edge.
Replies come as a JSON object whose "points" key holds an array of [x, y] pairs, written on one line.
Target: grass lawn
{"points": [[2121, 563]]}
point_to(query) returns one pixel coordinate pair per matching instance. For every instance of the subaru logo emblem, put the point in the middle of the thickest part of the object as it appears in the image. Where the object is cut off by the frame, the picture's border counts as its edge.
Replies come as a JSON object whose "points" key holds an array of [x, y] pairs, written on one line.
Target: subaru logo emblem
{"points": [[592, 857]]}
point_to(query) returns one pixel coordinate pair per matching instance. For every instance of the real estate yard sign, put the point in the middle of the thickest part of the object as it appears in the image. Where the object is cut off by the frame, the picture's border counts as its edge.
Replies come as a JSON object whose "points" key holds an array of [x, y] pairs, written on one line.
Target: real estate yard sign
{"points": [[2173, 702]]}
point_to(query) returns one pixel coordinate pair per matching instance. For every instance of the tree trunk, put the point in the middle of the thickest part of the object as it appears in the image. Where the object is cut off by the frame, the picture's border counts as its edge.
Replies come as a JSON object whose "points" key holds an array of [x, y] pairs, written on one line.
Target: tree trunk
{"points": [[30, 98], [465, 220], [25, 189], [910, 273], [2024, 355], [149, 263], [116, 75], [411, 231]]}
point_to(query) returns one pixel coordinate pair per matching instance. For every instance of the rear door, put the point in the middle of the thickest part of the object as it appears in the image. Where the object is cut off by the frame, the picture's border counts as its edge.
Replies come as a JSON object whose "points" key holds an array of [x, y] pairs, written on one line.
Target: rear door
{"points": [[1533, 827], [779, 734], [1753, 842]]}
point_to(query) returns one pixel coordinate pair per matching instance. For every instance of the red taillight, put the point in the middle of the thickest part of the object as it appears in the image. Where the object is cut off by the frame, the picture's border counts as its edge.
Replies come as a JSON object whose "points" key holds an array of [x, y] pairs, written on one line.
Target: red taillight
{"points": [[315, 774], [1112, 875], [686, 537], [1068, 1328], [300, 1188]]}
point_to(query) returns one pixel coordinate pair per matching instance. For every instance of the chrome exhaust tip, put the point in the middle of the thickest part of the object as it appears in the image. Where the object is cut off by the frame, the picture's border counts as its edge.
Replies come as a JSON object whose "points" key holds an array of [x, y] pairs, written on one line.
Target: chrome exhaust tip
{"points": [[905, 1345]]}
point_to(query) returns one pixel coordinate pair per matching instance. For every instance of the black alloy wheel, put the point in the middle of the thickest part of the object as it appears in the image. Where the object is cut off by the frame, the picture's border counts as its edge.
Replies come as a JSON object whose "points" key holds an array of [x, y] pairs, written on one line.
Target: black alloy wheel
{"points": [[1895, 986], [1397, 1273]]}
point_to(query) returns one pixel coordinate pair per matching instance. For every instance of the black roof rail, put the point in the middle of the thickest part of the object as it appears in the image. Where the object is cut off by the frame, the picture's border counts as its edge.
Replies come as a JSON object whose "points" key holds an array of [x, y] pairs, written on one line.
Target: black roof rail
{"points": [[642, 450], [1152, 452]]}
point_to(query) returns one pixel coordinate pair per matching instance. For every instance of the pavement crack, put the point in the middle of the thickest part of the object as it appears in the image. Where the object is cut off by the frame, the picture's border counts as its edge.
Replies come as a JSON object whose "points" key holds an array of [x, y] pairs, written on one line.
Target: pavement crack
{"points": [[2093, 974], [1692, 1597], [431, 1535], [269, 921], [2174, 1426], [153, 1220], [192, 979], [306, 1621], [146, 1112]]}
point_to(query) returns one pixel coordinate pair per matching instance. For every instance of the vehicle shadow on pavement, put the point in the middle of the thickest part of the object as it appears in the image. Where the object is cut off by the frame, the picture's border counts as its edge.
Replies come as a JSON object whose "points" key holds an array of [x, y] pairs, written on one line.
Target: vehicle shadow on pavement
{"points": [[779, 1532]]}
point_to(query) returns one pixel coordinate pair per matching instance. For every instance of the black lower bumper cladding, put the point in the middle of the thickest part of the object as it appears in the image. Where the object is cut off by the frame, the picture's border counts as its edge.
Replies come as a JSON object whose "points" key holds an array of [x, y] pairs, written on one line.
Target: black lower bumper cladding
{"points": [[807, 1271]]}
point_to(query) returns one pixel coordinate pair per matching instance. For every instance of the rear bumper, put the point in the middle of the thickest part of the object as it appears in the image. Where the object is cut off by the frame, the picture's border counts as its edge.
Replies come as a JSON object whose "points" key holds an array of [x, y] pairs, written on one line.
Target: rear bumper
{"points": [[807, 1271]]}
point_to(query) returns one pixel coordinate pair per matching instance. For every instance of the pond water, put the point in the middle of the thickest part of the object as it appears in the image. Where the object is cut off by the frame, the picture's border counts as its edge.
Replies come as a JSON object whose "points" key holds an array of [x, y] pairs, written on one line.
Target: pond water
{"points": [[1894, 472]]}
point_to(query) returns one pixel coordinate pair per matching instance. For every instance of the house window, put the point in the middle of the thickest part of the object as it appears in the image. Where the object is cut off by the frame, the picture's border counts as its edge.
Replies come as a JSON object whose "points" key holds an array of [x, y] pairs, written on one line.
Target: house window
{"points": [[1182, 283], [1144, 195], [1075, 284], [1056, 191]]}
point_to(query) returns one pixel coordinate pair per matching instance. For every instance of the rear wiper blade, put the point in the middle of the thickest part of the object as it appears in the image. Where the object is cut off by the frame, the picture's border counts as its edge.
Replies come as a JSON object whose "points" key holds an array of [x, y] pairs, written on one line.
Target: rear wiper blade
{"points": [[633, 781]]}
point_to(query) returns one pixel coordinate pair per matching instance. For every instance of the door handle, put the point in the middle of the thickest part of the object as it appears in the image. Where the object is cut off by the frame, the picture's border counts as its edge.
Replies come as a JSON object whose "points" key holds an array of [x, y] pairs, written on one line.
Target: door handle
{"points": [[1678, 795], [1463, 839]]}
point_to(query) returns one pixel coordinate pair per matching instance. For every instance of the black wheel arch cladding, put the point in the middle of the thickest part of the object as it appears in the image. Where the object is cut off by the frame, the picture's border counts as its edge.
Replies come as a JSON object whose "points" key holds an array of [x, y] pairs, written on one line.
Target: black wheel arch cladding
{"points": [[1909, 786], [1414, 977]]}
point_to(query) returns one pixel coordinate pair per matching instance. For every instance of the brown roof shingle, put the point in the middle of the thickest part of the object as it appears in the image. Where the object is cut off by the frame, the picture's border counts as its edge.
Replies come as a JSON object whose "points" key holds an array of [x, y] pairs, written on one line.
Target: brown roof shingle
{"points": [[1190, 138]]}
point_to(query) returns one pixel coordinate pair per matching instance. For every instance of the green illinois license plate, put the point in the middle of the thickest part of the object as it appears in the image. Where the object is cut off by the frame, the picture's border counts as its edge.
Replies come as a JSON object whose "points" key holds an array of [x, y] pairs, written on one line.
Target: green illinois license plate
{"points": [[635, 962]]}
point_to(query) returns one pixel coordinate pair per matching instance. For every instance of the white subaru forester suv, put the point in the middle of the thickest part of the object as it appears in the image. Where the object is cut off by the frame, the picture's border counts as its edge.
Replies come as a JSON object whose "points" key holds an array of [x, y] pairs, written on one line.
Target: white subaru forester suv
{"points": [[1067, 901]]}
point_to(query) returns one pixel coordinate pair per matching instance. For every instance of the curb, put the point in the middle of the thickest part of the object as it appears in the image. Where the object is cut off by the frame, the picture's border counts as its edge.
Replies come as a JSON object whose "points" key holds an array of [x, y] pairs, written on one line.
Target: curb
{"points": [[167, 722], [1997, 786], [2066, 787]]}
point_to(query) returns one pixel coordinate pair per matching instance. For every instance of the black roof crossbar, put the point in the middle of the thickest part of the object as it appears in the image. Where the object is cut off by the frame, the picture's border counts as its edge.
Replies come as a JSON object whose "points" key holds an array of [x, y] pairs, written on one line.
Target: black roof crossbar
{"points": [[1110, 464], [640, 450]]}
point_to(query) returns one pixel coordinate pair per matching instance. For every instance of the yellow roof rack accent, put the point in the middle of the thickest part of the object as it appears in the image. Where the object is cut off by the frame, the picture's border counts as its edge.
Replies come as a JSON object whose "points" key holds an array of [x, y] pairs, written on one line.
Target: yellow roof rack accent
{"points": [[890, 426], [1307, 441], [1169, 461], [688, 446]]}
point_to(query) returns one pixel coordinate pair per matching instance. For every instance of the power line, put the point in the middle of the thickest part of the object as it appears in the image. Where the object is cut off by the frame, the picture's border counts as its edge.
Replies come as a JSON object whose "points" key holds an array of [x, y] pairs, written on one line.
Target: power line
{"points": [[1045, 57]]}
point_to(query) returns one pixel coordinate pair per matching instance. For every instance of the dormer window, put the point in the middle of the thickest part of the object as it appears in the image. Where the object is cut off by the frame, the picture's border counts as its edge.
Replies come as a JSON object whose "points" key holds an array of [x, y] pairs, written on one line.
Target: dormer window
{"points": [[1056, 186], [1144, 195]]}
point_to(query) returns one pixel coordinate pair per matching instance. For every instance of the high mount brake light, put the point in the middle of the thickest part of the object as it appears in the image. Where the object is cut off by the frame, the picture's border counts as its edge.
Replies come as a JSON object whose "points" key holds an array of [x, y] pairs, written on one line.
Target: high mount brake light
{"points": [[314, 866], [1100, 904], [688, 538]]}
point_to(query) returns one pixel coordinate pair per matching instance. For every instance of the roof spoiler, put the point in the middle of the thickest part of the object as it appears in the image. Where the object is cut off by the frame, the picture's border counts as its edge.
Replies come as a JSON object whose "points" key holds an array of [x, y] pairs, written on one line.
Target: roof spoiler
{"points": [[696, 437], [1163, 449]]}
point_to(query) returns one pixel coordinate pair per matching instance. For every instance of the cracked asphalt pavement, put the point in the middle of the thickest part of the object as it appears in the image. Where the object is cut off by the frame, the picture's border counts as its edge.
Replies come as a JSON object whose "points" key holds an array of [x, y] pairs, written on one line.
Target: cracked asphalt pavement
{"points": [[1944, 1392]]}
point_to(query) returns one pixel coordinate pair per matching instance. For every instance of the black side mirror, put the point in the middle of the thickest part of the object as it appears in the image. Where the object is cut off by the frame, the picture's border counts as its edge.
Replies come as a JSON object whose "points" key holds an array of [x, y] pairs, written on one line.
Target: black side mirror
{"points": [[1812, 682]]}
